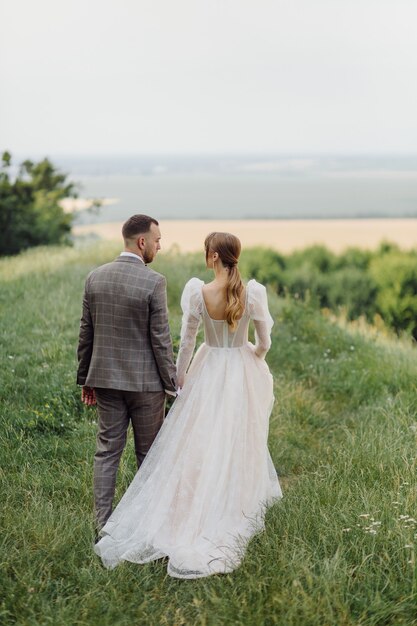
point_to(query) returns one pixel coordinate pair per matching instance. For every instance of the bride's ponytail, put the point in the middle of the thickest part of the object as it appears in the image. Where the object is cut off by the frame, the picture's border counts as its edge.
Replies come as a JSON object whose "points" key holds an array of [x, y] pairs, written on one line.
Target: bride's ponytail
{"points": [[234, 306], [228, 248]]}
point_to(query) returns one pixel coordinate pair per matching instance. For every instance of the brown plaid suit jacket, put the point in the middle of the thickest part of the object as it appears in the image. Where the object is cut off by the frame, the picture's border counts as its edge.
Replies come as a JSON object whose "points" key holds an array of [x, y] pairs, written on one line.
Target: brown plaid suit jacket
{"points": [[124, 340]]}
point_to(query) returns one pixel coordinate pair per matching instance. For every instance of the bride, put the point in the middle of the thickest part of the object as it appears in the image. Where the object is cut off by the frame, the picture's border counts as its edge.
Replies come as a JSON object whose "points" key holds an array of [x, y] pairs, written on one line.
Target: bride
{"points": [[203, 488]]}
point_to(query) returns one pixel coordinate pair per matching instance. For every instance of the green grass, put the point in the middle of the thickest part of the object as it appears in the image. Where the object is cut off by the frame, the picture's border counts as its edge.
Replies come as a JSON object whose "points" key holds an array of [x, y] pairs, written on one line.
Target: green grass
{"points": [[343, 438]]}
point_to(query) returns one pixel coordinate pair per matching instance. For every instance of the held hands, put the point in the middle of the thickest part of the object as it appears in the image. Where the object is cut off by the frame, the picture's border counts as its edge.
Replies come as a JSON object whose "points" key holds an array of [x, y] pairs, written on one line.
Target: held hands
{"points": [[88, 396]]}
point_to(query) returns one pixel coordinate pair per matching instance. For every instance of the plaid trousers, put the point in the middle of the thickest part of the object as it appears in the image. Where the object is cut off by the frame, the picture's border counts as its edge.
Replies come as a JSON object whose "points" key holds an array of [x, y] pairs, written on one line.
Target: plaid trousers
{"points": [[116, 408]]}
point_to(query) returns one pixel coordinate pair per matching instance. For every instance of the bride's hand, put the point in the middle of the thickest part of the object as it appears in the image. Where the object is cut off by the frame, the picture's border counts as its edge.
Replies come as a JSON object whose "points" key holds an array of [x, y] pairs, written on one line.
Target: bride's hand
{"points": [[254, 351]]}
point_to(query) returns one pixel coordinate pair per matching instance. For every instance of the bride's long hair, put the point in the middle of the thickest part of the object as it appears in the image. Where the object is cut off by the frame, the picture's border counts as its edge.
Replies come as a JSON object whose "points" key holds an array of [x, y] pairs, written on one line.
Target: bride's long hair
{"points": [[228, 248]]}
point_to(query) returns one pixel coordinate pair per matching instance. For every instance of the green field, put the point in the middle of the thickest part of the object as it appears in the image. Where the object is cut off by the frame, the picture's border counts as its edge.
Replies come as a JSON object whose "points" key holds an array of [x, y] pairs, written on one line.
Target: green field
{"points": [[338, 550]]}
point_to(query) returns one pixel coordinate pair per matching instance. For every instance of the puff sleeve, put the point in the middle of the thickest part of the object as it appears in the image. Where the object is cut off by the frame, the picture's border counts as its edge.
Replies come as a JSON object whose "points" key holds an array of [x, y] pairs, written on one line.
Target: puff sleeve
{"points": [[259, 313], [191, 304]]}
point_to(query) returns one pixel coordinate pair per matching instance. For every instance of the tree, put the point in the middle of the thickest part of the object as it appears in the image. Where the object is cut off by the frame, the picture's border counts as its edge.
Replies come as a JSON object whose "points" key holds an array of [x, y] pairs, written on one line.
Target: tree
{"points": [[30, 214]]}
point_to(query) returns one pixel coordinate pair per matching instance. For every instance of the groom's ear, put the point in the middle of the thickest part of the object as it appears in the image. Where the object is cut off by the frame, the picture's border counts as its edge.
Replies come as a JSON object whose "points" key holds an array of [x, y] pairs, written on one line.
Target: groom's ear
{"points": [[140, 242]]}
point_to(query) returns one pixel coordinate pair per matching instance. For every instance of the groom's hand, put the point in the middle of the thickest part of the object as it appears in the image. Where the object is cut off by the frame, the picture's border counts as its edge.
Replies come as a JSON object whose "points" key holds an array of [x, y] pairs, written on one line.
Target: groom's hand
{"points": [[88, 396]]}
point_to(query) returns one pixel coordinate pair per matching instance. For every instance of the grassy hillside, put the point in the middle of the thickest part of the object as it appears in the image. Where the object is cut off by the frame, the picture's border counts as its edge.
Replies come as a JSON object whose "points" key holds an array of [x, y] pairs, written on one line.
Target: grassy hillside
{"points": [[338, 550]]}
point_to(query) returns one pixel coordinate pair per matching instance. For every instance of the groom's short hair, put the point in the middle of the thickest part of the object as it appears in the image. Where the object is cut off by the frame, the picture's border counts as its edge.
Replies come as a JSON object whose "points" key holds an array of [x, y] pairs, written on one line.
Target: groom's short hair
{"points": [[137, 225]]}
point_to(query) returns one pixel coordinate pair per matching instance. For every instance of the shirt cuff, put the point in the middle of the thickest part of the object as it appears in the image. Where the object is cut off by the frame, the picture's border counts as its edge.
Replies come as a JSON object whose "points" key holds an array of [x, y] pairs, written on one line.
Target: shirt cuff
{"points": [[171, 393]]}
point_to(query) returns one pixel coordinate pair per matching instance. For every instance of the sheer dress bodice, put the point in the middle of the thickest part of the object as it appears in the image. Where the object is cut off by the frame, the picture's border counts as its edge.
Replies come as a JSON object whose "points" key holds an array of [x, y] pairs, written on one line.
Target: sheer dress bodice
{"points": [[217, 333]]}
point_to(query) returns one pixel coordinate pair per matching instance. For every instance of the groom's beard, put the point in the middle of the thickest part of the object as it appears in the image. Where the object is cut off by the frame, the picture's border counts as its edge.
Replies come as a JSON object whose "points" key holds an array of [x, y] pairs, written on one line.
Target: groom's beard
{"points": [[148, 256]]}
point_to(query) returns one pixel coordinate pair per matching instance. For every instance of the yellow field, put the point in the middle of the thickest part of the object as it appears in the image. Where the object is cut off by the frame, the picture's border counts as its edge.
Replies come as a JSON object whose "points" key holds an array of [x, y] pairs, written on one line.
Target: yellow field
{"points": [[284, 235]]}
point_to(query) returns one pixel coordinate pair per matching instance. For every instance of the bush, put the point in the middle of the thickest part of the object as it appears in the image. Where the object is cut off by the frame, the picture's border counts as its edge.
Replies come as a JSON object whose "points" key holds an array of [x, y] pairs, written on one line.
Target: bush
{"points": [[353, 290], [317, 258], [307, 283], [263, 264], [395, 274], [354, 257]]}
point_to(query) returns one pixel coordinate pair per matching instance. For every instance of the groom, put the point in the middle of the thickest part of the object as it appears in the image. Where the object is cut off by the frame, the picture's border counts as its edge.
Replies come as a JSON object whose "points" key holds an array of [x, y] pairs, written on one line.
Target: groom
{"points": [[125, 360]]}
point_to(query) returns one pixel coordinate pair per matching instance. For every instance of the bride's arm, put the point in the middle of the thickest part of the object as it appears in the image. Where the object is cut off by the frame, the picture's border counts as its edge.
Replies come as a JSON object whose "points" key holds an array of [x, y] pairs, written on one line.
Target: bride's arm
{"points": [[263, 322], [189, 330], [262, 338]]}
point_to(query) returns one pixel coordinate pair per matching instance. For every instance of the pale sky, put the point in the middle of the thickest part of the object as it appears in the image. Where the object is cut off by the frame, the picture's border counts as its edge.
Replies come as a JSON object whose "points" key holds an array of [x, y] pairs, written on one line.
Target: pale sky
{"points": [[168, 76]]}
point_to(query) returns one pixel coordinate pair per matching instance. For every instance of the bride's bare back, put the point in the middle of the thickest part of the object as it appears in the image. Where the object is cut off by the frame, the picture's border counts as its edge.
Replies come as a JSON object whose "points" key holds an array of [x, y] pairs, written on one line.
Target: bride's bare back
{"points": [[214, 295]]}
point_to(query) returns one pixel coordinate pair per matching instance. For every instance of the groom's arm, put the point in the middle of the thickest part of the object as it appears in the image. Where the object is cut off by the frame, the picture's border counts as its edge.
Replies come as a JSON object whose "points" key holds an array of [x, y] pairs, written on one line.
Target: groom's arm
{"points": [[85, 341], [161, 337]]}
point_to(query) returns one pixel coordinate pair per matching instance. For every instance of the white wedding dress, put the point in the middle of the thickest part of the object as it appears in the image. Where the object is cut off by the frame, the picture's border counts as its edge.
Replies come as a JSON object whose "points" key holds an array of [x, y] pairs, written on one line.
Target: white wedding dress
{"points": [[203, 488]]}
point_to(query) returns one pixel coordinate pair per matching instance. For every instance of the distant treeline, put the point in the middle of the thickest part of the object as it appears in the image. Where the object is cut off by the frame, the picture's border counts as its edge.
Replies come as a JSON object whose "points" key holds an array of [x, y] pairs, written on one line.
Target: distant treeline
{"points": [[380, 283]]}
